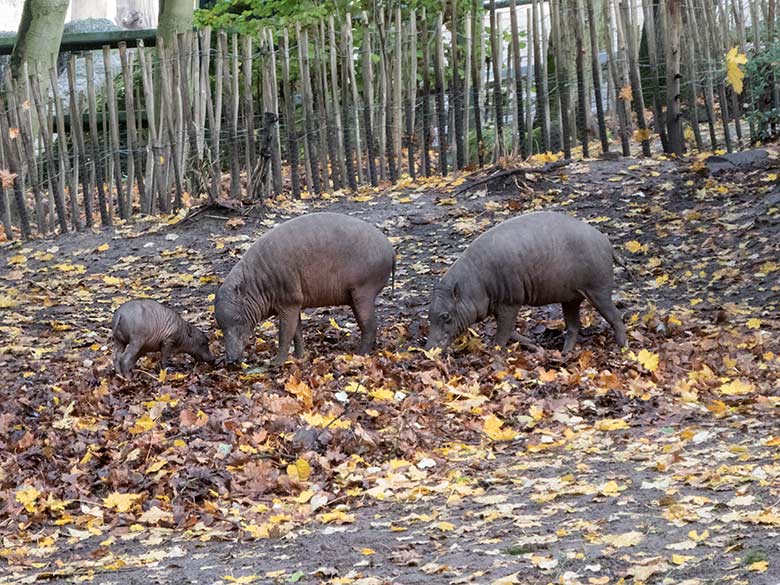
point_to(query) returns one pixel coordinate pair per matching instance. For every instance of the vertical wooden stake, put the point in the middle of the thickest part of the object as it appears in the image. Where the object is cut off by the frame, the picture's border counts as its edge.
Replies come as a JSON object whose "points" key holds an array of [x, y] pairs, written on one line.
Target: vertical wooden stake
{"points": [[516, 65], [289, 102], [368, 92], [438, 68], [498, 151], [355, 96], [426, 97]]}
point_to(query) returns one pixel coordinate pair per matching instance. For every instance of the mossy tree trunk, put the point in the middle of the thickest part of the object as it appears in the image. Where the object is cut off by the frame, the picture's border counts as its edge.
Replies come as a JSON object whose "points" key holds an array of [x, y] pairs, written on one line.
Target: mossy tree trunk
{"points": [[175, 16], [39, 35]]}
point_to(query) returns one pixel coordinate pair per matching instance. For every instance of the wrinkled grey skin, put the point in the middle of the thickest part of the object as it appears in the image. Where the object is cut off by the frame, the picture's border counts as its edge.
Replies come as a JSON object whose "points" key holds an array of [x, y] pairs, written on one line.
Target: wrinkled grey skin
{"points": [[315, 260], [535, 259], [143, 326]]}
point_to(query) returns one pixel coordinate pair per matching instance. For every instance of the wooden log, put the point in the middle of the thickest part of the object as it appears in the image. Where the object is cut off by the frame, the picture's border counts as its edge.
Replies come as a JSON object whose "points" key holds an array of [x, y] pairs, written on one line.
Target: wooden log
{"points": [[625, 25], [385, 102], [271, 100], [652, 51], [617, 80], [310, 123], [411, 98], [123, 203], [168, 118], [582, 112], [694, 106], [94, 137], [425, 113], [15, 168], [147, 80], [347, 113], [397, 86], [233, 101], [335, 96], [5, 202], [467, 43], [134, 161], [555, 96], [350, 61], [289, 103], [529, 118], [673, 109], [456, 91], [192, 160], [545, 69], [368, 92], [540, 74], [78, 145], [441, 113], [55, 186], [204, 85], [562, 78], [65, 174], [328, 138], [250, 151], [713, 47], [595, 68]]}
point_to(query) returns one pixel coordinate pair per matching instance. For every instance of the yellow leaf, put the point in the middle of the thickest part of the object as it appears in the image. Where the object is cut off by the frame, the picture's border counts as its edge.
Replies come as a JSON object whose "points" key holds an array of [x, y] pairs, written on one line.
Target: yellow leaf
{"points": [[367, 551], [300, 470], [333, 324], [321, 421], [120, 502], [647, 360], [492, 428], [754, 323], [142, 425], [241, 580], [258, 531], [718, 408], [444, 526], [337, 517], [681, 559], [27, 497], [382, 394], [758, 566], [693, 535], [734, 74], [157, 465], [633, 246], [632, 538], [301, 390], [68, 267], [626, 94], [163, 375], [641, 135], [112, 281], [536, 412], [611, 488], [611, 424], [7, 302], [17, 259], [103, 247], [736, 388]]}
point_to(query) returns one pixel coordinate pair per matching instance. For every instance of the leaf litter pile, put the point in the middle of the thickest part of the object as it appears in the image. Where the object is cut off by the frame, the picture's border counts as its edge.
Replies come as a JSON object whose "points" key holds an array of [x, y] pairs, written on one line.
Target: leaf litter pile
{"points": [[657, 464]]}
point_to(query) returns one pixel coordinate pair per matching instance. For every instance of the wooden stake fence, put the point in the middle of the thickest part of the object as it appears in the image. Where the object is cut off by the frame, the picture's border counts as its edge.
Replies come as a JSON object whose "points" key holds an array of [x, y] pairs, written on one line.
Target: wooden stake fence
{"points": [[361, 98]]}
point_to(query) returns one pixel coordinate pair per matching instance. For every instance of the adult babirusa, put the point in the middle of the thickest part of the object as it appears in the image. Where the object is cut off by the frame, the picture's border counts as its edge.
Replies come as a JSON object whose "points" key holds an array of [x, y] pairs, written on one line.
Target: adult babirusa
{"points": [[535, 259], [315, 260]]}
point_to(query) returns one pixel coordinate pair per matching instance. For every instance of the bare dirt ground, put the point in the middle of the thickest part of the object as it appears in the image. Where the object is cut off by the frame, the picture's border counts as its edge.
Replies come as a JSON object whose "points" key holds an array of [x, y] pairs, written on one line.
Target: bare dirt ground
{"points": [[657, 465]]}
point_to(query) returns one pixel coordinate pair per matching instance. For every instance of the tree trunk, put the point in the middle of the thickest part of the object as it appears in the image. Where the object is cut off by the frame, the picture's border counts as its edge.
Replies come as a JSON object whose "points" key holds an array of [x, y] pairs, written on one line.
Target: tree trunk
{"points": [[673, 115], [39, 35], [174, 16]]}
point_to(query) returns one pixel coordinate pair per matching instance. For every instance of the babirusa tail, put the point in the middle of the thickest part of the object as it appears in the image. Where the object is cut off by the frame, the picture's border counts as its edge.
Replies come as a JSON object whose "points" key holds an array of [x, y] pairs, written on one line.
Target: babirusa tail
{"points": [[623, 264]]}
